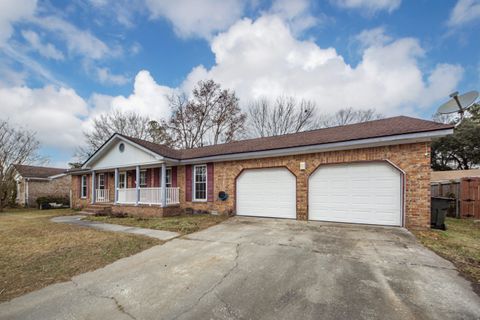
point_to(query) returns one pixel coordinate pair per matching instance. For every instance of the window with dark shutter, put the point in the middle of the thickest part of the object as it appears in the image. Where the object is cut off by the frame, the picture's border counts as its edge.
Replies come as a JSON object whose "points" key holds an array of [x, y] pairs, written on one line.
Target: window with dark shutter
{"points": [[200, 182]]}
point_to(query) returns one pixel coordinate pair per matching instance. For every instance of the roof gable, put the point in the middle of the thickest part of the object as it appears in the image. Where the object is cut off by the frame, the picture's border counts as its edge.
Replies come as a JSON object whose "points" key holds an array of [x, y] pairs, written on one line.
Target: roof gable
{"points": [[111, 155]]}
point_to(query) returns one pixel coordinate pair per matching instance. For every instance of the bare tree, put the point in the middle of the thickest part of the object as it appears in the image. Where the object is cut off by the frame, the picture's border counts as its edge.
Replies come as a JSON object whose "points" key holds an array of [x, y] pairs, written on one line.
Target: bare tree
{"points": [[284, 115], [17, 146], [159, 133], [349, 116], [446, 118], [211, 116], [105, 125]]}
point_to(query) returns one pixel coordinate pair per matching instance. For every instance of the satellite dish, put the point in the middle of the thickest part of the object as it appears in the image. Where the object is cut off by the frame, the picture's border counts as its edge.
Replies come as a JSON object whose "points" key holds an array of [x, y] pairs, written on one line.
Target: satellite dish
{"points": [[458, 103]]}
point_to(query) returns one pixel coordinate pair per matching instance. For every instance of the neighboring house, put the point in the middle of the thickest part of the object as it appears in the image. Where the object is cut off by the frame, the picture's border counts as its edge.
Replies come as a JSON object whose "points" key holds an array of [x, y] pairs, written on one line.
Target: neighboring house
{"points": [[375, 172], [34, 182], [453, 175]]}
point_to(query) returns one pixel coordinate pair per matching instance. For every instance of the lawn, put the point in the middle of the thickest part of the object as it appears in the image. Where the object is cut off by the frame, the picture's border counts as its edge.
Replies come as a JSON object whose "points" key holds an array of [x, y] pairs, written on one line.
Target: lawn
{"points": [[35, 252], [460, 244], [183, 224]]}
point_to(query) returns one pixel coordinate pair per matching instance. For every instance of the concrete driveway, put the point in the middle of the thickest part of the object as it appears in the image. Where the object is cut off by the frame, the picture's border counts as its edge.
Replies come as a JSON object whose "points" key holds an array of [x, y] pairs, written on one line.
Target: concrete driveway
{"points": [[250, 268]]}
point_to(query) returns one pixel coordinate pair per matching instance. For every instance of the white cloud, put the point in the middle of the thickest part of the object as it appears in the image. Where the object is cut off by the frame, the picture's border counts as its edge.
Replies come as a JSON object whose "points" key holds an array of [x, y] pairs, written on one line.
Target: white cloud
{"points": [[120, 11], [192, 18], [54, 113], [17, 54], [135, 48], [373, 37], [148, 98], [465, 11], [12, 11], [263, 59], [59, 116], [8, 76], [105, 76], [47, 50], [295, 13], [78, 42], [370, 6]]}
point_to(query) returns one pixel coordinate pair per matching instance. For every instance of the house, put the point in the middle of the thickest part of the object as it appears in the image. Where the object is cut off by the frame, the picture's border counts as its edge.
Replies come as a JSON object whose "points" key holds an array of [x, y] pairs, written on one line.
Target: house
{"points": [[34, 182], [376, 172], [453, 175]]}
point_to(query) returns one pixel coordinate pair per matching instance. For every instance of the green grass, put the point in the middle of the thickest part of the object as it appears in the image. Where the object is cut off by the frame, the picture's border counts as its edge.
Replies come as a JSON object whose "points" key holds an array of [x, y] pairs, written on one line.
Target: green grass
{"points": [[183, 224], [36, 252], [460, 244]]}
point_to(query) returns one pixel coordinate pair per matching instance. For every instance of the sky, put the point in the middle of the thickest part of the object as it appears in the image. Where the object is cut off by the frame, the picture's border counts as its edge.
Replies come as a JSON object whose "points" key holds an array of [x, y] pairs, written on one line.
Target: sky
{"points": [[63, 63]]}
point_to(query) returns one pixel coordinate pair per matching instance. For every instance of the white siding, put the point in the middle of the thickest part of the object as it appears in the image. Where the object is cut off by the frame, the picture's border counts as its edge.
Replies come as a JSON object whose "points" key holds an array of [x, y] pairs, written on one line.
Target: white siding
{"points": [[132, 155]]}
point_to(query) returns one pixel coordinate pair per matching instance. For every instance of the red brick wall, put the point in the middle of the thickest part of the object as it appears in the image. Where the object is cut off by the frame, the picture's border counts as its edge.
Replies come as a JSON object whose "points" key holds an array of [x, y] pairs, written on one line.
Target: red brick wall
{"points": [[413, 159]]}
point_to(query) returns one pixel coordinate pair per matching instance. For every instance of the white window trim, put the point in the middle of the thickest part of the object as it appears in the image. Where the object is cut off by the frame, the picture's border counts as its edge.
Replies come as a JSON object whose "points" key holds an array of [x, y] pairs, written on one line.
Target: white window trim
{"points": [[144, 171], [194, 198], [171, 177], [83, 185], [103, 178], [124, 180]]}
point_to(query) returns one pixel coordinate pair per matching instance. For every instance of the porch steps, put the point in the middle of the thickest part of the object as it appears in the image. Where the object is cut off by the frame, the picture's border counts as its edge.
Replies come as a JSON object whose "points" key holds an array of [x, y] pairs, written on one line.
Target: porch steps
{"points": [[103, 209]]}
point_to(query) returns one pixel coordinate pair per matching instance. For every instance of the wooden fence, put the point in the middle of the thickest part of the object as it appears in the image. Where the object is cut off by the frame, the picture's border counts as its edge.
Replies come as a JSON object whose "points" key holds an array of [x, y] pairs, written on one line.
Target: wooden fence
{"points": [[470, 197], [467, 191]]}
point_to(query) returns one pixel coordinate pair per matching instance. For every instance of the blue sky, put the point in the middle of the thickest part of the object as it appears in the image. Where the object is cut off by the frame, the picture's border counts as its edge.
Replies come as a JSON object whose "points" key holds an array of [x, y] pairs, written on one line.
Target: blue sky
{"points": [[64, 63]]}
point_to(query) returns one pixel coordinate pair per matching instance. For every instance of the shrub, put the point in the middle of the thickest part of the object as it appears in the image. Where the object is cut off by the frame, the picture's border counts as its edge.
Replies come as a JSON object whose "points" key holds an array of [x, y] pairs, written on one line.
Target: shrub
{"points": [[43, 202]]}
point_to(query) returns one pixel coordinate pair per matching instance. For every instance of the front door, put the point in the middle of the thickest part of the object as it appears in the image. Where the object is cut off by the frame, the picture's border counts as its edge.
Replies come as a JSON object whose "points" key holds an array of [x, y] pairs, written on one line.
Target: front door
{"points": [[101, 187], [122, 180]]}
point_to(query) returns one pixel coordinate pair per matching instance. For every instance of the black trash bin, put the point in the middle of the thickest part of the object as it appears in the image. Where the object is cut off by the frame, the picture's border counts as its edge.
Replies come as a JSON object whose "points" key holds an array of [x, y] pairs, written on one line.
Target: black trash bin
{"points": [[439, 208]]}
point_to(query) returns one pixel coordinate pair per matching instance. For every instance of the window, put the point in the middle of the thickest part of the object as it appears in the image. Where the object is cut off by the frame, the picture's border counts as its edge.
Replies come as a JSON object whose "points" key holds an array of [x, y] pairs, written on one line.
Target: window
{"points": [[121, 147], [143, 179], [168, 178], [122, 180], [200, 182], [101, 181], [83, 187]]}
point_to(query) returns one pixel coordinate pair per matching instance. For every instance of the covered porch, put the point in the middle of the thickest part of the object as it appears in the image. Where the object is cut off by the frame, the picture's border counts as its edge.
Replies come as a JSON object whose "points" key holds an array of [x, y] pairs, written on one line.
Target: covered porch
{"points": [[138, 185]]}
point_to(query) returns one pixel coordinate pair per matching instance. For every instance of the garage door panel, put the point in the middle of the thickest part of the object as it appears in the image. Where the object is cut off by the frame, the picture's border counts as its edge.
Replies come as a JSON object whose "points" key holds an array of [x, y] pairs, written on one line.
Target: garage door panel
{"points": [[266, 193], [356, 193]]}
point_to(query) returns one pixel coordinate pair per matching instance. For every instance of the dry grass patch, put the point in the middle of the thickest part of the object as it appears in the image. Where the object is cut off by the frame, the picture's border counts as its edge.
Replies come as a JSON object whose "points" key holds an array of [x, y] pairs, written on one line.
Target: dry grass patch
{"points": [[183, 224], [36, 252], [460, 244]]}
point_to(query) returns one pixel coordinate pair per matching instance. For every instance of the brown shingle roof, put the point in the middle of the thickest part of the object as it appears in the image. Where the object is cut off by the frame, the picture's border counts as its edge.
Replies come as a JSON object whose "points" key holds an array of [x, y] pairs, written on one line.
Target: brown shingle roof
{"points": [[37, 172], [371, 129]]}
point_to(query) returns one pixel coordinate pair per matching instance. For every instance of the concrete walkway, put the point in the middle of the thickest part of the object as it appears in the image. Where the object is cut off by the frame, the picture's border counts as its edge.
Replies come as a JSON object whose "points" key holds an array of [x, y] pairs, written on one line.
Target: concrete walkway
{"points": [[77, 220]]}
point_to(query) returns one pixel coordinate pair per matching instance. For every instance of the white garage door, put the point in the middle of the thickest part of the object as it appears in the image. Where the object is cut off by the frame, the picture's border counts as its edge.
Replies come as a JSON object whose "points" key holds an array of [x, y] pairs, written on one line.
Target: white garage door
{"points": [[266, 193], [356, 193]]}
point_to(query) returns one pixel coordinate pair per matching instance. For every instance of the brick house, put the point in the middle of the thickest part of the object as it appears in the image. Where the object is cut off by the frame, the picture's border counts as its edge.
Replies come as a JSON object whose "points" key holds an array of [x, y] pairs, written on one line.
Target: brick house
{"points": [[34, 182], [376, 172]]}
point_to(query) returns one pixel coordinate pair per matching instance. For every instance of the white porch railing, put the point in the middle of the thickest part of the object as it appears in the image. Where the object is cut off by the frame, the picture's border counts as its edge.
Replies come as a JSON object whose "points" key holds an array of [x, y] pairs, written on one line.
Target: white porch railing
{"points": [[127, 195], [173, 196], [149, 196], [102, 195]]}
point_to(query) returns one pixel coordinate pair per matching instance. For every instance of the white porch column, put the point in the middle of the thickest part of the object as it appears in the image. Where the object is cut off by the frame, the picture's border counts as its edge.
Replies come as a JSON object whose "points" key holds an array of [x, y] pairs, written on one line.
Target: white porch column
{"points": [[164, 185], [93, 187], [137, 184], [116, 185]]}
